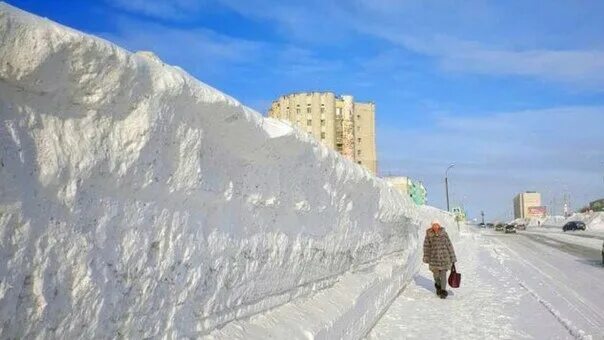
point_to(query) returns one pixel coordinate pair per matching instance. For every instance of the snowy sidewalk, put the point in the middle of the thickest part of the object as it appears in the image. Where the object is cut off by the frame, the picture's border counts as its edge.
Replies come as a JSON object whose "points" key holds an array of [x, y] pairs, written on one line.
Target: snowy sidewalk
{"points": [[489, 304]]}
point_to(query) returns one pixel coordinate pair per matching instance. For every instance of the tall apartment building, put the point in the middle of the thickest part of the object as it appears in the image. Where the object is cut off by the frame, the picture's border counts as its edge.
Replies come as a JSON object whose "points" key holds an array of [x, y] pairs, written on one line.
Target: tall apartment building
{"points": [[337, 121], [528, 204]]}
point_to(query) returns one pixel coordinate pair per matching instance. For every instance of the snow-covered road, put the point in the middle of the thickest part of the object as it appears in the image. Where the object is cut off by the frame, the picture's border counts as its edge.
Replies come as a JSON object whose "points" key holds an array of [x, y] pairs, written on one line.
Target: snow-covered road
{"points": [[558, 231], [513, 286]]}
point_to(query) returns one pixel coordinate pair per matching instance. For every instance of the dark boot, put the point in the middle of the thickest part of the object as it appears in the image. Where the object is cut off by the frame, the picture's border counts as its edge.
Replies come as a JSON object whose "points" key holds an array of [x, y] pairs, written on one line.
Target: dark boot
{"points": [[443, 294], [437, 286]]}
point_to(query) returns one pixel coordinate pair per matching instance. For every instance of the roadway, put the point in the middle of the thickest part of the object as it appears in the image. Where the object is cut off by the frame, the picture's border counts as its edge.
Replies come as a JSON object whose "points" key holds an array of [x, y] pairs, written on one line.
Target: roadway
{"points": [[563, 271]]}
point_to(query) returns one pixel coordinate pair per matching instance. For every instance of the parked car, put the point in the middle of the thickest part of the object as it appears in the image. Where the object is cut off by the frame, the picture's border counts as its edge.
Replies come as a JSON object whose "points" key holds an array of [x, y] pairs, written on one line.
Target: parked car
{"points": [[510, 228], [574, 225], [499, 227], [520, 226], [490, 225]]}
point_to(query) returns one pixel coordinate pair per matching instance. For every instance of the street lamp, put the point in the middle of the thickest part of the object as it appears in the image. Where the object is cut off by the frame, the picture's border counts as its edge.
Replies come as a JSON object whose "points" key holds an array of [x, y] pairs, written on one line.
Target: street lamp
{"points": [[447, 184]]}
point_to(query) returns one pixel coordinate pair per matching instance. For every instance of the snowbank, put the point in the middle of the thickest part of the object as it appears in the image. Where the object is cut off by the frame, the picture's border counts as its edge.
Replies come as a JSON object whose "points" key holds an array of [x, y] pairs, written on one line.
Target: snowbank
{"points": [[593, 221], [137, 202]]}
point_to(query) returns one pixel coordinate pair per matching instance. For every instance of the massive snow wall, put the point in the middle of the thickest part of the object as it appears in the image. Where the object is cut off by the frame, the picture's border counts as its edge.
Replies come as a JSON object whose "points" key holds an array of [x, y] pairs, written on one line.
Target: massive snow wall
{"points": [[137, 202]]}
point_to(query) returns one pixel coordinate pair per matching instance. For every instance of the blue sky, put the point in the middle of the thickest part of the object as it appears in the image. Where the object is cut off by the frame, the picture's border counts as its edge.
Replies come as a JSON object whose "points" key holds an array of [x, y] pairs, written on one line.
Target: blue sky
{"points": [[511, 91]]}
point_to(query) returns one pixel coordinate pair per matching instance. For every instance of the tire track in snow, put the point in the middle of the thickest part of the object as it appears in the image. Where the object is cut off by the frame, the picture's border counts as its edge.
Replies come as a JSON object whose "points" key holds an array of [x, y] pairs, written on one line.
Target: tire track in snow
{"points": [[573, 330], [594, 310]]}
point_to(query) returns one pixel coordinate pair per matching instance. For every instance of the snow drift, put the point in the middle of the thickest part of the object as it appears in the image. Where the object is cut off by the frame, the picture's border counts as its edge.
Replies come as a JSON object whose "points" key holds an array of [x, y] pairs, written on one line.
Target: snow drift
{"points": [[137, 202], [593, 221]]}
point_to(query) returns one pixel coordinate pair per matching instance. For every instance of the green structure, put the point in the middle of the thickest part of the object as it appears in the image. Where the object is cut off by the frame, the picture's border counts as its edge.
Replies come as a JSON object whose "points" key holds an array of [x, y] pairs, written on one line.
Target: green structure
{"points": [[414, 190], [597, 205], [418, 192]]}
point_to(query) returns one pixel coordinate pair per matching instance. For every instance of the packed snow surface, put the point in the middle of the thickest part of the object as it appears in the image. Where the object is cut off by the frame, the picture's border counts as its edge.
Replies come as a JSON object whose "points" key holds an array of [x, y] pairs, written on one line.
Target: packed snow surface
{"points": [[513, 287], [136, 201], [579, 238]]}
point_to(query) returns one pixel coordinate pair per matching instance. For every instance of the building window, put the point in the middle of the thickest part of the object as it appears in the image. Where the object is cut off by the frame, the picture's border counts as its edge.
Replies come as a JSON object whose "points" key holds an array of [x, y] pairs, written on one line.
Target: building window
{"points": [[358, 116], [339, 111], [358, 152], [308, 109], [322, 135], [308, 122], [359, 139], [358, 128], [298, 111], [360, 162], [322, 109], [322, 122]]}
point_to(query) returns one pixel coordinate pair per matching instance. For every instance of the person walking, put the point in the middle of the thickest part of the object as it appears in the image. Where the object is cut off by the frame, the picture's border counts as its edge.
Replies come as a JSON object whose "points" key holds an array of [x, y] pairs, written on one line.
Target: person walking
{"points": [[439, 255]]}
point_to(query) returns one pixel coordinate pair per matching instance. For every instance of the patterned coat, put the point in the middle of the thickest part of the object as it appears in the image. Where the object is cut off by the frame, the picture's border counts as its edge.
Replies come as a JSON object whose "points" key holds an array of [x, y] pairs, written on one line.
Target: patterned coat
{"points": [[438, 250]]}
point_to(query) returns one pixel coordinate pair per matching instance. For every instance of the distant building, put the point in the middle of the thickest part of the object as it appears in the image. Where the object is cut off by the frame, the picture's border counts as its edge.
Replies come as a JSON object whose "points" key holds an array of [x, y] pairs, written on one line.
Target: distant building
{"points": [[528, 204], [415, 190], [401, 183], [337, 121], [418, 193]]}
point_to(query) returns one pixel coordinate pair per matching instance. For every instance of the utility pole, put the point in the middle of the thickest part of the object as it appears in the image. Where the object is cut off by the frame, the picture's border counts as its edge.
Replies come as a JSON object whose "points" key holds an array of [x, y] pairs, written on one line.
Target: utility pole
{"points": [[447, 185], [567, 208], [447, 192], [482, 215]]}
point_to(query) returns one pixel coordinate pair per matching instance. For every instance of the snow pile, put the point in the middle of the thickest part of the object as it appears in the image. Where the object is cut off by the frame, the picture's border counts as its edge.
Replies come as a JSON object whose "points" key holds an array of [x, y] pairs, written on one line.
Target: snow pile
{"points": [[593, 221], [137, 202], [546, 222]]}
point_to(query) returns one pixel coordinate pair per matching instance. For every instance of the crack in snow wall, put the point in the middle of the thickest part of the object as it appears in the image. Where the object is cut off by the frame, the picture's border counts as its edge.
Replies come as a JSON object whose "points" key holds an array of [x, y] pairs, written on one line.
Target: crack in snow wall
{"points": [[136, 201]]}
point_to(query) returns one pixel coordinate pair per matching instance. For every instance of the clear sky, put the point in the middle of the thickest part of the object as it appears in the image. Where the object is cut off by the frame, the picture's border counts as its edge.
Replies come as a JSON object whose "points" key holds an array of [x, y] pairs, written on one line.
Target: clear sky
{"points": [[510, 91]]}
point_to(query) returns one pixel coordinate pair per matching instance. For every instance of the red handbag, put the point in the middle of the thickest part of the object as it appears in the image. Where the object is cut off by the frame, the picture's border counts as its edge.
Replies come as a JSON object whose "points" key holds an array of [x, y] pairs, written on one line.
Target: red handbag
{"points": [[454, 278]]}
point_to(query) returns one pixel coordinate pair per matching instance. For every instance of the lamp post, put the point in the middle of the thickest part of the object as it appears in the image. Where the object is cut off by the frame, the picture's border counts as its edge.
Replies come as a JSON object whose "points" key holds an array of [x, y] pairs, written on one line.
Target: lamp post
{"points": [[447, 184]]}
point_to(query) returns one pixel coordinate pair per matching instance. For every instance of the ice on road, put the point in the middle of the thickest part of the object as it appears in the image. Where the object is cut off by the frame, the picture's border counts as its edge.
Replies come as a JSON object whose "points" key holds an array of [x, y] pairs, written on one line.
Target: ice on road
{"points": [[512, 288]]}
